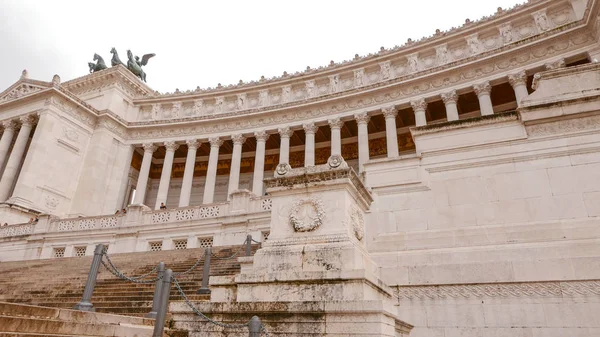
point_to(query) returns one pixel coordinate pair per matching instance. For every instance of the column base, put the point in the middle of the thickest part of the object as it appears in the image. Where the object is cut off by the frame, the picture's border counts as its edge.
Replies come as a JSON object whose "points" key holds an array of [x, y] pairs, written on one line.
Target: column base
{"points": [[84, 306]]}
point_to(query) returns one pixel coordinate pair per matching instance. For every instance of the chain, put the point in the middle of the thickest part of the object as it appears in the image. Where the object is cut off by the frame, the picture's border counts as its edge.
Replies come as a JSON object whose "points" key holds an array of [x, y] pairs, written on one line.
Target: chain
{"points": [[115, 271], [191, 268], [264, 329], [197, 312]]}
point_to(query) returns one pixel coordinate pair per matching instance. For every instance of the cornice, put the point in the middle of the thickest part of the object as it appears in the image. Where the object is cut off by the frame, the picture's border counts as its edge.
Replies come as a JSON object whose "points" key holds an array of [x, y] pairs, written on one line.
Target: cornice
{"points": [[504, 51], [383, 55], [118, 74], [373, 96]]}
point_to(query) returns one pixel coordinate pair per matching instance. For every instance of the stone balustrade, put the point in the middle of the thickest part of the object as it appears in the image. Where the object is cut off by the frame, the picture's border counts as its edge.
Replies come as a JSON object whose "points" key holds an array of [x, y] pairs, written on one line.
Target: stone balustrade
{"points": [[86, 223], [17, 230], [209, 211]]}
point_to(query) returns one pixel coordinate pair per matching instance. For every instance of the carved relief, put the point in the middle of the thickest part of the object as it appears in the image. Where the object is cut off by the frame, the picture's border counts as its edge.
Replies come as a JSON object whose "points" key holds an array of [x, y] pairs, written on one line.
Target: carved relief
{"points": [[175, 109], [441, 54], [156, 111], [286, 93], [541, 20], [306, 215], [20, 91], [359, 75], [310, 89], [263, 98], [240, 103], [386, 70], [334, 83], [219, 104], [198, 107], [70, 134], [474, 44], [412, 63], [506, 33]]}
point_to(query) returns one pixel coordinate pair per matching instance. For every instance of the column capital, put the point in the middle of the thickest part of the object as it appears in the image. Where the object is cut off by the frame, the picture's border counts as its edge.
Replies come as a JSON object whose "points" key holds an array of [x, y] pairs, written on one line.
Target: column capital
{"points": [[362, 118], [261, 136], [171, 146], [482, 88], [449, 97], [28, 120], [238, 139], [310, 128], [215, 141], [418, 104], [149, 147], [518, 78], [9, 125], [555, 65], [285, 132], [335, 123], [192, 144], [389, 112]]}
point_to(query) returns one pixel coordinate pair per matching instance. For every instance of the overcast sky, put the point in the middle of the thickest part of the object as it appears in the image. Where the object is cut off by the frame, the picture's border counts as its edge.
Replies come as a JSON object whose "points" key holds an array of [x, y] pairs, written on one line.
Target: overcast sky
{"points": [[202, 43]]}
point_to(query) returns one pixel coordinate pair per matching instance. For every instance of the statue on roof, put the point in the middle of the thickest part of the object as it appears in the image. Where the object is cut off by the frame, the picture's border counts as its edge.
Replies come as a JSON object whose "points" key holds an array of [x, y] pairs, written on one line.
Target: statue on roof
{"points": [[99, 65], [134, 64]]}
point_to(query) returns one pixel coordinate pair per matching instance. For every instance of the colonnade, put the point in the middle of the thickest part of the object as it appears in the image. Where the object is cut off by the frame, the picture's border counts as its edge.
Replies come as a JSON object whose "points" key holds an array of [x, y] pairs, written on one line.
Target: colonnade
{"points": [[11, 159], [419, 107]]}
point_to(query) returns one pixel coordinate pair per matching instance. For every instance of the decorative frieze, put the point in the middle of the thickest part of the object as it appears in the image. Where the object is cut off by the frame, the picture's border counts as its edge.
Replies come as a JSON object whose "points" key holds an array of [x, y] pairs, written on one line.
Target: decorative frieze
{"points": [[500, 290], [506, 33]]}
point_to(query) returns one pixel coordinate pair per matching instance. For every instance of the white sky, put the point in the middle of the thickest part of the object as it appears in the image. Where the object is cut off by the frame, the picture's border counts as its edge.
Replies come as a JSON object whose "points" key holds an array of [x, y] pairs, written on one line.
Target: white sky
{"points": [[202, 43]]}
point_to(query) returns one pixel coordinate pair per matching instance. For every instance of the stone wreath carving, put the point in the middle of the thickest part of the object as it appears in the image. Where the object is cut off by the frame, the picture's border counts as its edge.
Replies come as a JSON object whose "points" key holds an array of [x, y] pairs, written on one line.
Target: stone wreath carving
{"points": [[298, 221]]}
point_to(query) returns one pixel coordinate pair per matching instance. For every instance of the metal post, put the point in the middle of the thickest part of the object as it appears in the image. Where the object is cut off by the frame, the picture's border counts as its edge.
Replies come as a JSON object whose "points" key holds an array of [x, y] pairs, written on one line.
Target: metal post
{"points": [[255, 326], [85, 304], [161, 315], [205, 273], [157, 288], [248, 245]]}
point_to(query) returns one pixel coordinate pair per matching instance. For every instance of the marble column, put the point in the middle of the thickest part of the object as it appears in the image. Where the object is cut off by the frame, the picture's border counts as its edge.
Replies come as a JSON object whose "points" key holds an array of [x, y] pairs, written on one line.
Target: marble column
{"points": [[362, 120], [419, 107], [519, 83], [142, 182], [309, 145], [391, 133], [483, 92], [6, 140], [259, 162], [165, 175], [236, 160], [336, 137], [125, 189], [14, 160], [450, 99], [284, 148], [211, 173], [188, 173]]}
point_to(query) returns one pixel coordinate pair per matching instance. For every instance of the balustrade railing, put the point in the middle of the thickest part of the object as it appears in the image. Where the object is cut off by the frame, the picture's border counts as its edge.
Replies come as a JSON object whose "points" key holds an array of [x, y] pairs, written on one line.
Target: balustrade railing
{"points": [[87, 223], [16, 230], [255, 205]]}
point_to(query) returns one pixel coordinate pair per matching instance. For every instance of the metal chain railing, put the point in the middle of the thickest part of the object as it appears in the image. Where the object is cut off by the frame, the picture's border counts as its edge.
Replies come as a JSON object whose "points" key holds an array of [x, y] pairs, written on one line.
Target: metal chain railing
{"points": [[197, 312], [115, 271]]}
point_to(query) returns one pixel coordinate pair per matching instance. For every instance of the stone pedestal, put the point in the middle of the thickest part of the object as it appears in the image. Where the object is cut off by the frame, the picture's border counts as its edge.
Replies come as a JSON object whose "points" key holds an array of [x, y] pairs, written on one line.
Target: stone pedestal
{"points": [[314, 269]]}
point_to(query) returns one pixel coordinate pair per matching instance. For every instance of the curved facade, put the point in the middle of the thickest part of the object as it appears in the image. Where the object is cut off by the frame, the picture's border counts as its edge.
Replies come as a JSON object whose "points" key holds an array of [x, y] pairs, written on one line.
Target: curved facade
{"points": [[486, 194]]}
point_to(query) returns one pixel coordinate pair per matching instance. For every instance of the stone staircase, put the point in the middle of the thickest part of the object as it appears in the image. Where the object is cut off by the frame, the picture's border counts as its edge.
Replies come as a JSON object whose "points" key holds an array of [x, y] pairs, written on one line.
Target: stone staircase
{"points": [[59, 283], [29, 321]]}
